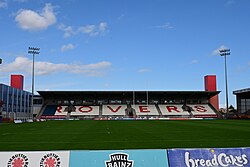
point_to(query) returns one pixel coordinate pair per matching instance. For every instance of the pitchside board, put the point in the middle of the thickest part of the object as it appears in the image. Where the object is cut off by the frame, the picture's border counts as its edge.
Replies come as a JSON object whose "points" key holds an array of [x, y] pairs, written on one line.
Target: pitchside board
{"points": [[209, 157]]}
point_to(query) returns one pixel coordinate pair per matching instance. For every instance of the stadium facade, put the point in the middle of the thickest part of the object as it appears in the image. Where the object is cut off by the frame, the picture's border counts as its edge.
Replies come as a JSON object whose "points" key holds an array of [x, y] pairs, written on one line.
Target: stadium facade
{"points": [[15, 102], [130, 104], [109, 104], [243, 101]]}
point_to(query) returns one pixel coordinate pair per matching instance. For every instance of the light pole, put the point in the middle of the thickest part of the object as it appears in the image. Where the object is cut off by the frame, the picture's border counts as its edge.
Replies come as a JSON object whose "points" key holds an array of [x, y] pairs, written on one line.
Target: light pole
{"points": [[225, 52], [33, 51]]}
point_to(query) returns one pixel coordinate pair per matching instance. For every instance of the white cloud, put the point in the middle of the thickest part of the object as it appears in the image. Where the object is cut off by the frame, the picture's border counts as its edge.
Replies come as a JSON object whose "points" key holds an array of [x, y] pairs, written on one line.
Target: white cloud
{"points": [[68, 30], [91, 29], [103, 26], [194, 61], [217, 51], [94, 30], [165, 26], [3, 4], [88, 29], [33, 21], [144, 70], [23, 64], [67, 47]]}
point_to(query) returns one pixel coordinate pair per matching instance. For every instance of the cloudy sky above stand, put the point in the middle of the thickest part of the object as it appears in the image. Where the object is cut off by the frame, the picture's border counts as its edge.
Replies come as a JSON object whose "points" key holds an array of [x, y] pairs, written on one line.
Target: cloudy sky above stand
{"points": [[126, 44]]}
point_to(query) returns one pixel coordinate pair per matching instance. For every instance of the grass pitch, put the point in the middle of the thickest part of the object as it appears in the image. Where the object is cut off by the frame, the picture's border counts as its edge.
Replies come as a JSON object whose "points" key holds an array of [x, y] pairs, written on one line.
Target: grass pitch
{"points": [[98, 135]]}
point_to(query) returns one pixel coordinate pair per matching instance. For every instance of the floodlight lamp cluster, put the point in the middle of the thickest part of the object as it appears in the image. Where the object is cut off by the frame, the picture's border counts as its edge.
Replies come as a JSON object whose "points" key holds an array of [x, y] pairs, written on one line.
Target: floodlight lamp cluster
{"points": [[224, 52], [33, 50]]}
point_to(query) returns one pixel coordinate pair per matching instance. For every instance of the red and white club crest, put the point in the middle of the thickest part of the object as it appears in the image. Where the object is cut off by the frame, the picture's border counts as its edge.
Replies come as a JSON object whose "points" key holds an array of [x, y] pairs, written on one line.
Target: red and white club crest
{"points": [[18, 160], [50, 160]]}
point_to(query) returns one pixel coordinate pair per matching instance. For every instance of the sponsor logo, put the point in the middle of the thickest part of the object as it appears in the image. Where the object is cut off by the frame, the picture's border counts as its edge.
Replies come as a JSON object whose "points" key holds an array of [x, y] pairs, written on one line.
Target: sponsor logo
{"points": [[221, 159], [50, 160], [119, 160], [18, 160]]}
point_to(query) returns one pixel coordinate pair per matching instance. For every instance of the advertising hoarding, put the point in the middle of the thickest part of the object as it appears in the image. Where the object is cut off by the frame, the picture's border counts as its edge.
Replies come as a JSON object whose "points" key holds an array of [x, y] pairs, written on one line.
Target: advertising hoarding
{"points": [[119, 158], [219, 157], [35, 159]]}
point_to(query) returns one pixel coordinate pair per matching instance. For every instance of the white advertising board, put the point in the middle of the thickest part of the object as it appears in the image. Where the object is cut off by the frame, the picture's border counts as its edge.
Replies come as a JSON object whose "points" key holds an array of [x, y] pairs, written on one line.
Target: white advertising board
{"points": [[35, 159]]}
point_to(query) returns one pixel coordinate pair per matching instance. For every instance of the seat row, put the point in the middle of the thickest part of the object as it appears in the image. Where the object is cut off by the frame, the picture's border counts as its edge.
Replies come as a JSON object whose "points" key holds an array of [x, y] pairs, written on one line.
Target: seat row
{"points": [[139, 110]]}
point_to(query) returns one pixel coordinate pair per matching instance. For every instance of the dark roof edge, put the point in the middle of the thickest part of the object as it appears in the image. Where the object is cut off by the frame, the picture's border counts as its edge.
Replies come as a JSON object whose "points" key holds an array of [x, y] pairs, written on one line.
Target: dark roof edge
{"points": [[241, 91], [103, 91]]}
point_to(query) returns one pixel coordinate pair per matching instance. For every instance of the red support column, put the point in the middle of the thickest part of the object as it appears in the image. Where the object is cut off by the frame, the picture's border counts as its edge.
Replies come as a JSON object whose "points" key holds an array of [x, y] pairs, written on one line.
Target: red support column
{"points": [[16, 81], [210, 85]]}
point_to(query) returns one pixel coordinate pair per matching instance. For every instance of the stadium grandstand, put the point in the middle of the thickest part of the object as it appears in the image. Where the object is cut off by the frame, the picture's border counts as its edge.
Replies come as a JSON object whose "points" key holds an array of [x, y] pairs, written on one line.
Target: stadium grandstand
{"points": [[243, 102], [126, 104], [15, 103], [129, 104]]}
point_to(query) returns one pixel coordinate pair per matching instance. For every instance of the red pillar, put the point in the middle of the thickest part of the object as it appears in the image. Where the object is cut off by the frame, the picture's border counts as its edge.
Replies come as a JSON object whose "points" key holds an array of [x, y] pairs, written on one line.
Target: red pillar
{"points": [[210, 85], [16, 81]]}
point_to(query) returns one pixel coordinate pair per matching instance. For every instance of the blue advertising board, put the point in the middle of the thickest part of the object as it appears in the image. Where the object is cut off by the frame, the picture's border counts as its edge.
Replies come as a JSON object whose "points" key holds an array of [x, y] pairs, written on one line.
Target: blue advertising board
{"points": [[119, 158], [219, 157]]}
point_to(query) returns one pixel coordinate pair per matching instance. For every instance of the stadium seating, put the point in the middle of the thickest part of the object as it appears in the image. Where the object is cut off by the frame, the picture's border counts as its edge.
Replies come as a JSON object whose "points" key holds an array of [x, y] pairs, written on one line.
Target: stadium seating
{"points": [[104, 111], [173, 110], [49, 110], [78, 111], [197, 110], [144, 110], [114, 110], [202, 111]]}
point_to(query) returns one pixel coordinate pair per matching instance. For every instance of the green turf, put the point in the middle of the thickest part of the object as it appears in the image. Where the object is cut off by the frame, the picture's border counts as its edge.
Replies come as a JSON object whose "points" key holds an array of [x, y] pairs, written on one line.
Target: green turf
{"points": [[89, 135]]}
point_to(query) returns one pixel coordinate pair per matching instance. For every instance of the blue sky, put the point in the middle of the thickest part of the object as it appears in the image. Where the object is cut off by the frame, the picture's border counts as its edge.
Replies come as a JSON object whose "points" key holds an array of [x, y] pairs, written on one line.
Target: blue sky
{"points": [[126, 44]]}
